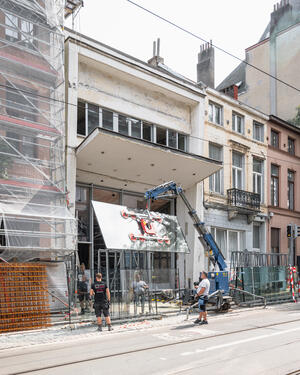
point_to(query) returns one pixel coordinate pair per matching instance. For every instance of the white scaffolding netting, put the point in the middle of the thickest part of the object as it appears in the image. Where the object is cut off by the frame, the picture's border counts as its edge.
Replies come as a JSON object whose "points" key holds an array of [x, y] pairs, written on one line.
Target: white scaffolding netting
{"points": [[34, 219]]}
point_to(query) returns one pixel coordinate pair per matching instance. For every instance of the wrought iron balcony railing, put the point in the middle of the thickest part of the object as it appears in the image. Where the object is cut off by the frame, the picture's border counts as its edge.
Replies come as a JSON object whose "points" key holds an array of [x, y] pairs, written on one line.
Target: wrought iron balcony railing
{"points": [[243, 199]]}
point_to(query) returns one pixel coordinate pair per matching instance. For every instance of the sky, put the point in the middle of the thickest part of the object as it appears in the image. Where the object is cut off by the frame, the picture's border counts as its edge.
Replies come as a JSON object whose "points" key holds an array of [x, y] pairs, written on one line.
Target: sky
{"points": [[231, 24]]}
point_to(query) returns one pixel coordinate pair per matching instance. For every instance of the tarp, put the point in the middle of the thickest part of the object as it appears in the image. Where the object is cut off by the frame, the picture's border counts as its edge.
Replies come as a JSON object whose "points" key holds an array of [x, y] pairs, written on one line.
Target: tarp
{"points": [[127, 229]]}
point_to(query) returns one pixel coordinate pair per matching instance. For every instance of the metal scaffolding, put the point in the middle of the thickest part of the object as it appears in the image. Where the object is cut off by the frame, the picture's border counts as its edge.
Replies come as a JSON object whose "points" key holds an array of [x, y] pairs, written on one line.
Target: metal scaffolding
{"points": [[35, 222]]}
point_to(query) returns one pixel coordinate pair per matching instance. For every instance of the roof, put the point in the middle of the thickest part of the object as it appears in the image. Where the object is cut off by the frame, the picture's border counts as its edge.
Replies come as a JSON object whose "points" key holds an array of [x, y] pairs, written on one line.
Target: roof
{"points": [[162, 69], [237, 75]]}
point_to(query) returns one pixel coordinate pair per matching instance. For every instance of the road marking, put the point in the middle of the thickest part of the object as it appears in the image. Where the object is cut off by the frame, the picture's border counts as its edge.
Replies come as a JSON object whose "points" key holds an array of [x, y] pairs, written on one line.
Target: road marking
{"points": [[203, 331], [240, 342]]}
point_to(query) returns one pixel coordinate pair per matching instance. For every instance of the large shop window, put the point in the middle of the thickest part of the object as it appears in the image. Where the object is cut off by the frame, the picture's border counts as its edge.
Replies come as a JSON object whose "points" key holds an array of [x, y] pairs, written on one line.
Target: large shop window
{"points": [[82, 211], [228, 240], [90, 116]]}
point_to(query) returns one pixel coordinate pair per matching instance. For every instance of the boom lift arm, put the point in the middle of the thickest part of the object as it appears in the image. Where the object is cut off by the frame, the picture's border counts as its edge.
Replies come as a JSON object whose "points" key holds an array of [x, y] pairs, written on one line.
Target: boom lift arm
{"points": [[170, 189]]}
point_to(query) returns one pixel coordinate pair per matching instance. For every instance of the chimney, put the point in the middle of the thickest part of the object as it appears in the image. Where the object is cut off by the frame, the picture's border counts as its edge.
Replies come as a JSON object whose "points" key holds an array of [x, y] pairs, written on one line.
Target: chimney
{"points": [[206, 65], [156, 59], [281, 17]]}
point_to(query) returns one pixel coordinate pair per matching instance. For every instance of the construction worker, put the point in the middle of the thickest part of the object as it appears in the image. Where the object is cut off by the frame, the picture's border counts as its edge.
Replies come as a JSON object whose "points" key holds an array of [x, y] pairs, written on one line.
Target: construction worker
{"points": [[102, 299], [202, 293]]}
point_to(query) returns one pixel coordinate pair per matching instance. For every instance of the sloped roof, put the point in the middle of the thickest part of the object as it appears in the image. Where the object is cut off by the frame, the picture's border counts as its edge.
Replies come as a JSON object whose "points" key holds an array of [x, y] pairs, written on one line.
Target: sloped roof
{"points": [[237, 75]]}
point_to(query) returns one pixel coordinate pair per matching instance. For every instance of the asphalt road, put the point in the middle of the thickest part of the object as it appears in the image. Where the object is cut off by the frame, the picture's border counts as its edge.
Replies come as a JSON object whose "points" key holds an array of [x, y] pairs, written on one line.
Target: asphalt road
{"points": [[248, 342]]}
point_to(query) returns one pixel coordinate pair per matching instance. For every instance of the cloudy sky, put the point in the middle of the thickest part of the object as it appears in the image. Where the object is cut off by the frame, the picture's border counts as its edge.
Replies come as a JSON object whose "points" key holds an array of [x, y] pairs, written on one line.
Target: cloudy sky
{"points": [[231, 24]]}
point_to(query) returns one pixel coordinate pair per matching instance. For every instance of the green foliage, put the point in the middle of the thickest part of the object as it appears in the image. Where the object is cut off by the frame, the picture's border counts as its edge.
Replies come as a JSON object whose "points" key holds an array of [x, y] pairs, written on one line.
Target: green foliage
{"points": [[296, 119]]}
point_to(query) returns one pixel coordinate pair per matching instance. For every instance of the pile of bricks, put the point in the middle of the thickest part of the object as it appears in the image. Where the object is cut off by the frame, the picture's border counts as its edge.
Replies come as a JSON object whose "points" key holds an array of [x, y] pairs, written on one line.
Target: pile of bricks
{"points": [[24, 302]]}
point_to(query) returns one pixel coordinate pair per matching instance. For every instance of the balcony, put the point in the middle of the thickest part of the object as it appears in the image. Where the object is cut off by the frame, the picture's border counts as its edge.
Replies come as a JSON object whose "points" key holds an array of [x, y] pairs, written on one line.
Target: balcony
{"points": [[243, 200]]}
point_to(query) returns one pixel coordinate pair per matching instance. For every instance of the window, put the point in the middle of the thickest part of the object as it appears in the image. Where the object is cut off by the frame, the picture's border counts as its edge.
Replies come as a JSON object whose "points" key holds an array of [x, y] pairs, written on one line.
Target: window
{"points": [[21, 104], [291, 146], [123, 125], [136, 128], [215, 113], [291, 189], [27, 33], [81, 118], [228, 240], [107, 119], [147, 131], [172, 138], [90, 116], [237, 123], [82, 211], [274, 185], [216, 180], [274, 138], [161, 136], [25, 144], [93, 117], [233, 242], [275, 240], [182, 142], [220, 237], [237, 170], [257, 174], [258, 131], [11, 31], [256, 237]]}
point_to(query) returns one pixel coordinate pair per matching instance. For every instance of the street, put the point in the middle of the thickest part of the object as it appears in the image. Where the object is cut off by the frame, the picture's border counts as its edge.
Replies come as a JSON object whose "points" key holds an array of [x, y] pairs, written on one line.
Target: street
{"points": [[241, 342]]}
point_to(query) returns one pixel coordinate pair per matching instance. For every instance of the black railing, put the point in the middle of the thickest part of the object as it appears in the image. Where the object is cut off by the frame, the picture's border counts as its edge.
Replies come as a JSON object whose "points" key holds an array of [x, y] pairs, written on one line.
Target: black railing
{"points": [[243, 199]]}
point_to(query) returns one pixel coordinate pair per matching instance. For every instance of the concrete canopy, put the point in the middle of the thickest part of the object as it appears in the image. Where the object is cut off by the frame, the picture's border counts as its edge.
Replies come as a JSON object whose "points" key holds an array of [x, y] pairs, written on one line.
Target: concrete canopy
{"points": [[122, 162]]}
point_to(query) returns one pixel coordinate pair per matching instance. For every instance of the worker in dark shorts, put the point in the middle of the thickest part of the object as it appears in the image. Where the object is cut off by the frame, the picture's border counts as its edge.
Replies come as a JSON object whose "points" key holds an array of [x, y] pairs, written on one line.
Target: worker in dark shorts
{"points": [[101, 294], [202, 293]]}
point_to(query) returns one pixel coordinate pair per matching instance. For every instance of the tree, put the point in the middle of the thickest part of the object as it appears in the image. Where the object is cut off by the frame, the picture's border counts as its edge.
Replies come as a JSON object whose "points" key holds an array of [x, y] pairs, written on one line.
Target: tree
{"points": [[296, 119]]}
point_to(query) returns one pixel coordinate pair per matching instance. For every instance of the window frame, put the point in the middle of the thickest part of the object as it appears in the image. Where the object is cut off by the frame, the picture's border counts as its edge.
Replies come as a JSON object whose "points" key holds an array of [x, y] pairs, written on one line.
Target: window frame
{"points": [[256, 225], [255, 176], [294, 146], [28, 40], [212, 178], [235, 115], [129, 120], [275, 178], [273, 132], [212, 113], [256, 125], [291, 193], [235, 169]]}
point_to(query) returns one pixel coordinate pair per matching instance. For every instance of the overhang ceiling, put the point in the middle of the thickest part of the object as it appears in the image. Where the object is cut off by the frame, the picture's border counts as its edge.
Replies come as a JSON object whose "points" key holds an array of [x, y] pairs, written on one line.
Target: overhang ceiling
{"points": [[111, 159]]}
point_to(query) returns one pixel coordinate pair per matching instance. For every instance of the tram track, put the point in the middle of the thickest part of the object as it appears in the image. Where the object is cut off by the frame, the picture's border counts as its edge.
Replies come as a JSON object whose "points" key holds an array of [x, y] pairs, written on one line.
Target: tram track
{"points": [[148, 348]]}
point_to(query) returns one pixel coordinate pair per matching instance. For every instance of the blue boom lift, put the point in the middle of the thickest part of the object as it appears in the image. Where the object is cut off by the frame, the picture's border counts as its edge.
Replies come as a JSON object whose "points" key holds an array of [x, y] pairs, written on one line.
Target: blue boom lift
{"points": [[219, 282]]}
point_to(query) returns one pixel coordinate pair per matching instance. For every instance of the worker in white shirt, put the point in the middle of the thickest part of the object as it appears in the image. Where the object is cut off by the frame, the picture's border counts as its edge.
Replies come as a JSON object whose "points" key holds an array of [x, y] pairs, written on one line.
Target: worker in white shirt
{"points": [[202, 293]]}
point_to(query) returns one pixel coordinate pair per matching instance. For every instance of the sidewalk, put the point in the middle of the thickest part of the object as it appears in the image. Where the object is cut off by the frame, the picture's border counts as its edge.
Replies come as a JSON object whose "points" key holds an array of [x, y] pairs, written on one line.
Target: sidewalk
{"points": [[85, 330]]}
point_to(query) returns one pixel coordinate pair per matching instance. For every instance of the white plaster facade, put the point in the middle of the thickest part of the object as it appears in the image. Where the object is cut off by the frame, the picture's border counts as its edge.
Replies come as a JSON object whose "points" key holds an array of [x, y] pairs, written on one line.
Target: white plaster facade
{"points": [[100, 75]]}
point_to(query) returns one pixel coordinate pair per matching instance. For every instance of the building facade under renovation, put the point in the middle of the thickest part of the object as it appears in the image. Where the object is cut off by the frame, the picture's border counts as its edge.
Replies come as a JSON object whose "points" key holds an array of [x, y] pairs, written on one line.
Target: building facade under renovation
{"points": [[132, 126], [35, 223]]}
